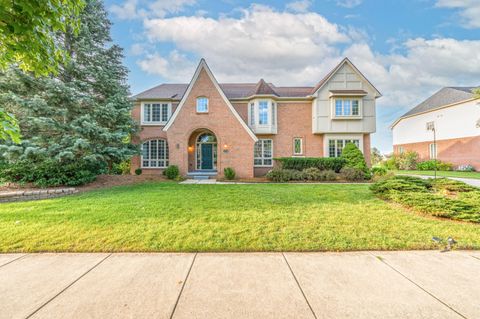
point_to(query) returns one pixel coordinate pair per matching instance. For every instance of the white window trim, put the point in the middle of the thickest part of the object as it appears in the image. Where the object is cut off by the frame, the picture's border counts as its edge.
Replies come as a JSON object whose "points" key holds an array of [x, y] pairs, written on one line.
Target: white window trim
{"points": [[165, 160], [430, 151], [301, 146], [262, 157], [347, 117], [142, 118], [272, 116], [328, 137], [196, 105]]}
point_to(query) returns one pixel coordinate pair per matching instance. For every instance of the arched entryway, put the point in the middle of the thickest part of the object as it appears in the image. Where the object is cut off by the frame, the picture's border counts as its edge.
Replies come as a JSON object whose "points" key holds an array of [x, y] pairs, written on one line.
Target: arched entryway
{"points": [[203, 151]]}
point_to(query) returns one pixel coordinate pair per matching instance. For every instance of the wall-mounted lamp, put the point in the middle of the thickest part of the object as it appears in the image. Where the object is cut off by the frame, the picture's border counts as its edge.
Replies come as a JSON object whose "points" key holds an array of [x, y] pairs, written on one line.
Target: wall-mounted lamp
{"points": [[190, 149], [225, 148]]}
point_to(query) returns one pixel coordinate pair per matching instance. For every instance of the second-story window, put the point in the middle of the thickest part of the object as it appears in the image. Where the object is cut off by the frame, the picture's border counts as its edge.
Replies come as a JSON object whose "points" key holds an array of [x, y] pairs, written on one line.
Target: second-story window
{"points": [[156, 113], [202, 104], [347, 107], [263, 112]]}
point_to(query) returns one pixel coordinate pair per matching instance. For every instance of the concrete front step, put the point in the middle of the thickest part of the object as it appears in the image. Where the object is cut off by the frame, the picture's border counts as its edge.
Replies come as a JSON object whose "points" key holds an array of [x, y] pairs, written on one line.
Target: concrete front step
{"points": [[201, 175]]}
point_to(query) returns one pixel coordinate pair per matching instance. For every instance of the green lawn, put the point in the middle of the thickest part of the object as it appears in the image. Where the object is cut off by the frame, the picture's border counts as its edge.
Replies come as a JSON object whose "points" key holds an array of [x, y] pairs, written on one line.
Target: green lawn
{"points": [[257, 217], [475, 175]]}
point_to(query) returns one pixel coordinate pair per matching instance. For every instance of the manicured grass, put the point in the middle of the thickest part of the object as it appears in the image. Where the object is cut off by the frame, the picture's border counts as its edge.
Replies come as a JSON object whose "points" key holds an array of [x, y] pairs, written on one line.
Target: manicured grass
{"points": [[259, 217], [475, 175]]}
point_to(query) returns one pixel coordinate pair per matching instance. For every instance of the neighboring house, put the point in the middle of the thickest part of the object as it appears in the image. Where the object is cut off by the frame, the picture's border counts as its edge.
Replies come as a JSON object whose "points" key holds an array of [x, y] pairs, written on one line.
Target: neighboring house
{"points": [[454, 112], [204, 127]]}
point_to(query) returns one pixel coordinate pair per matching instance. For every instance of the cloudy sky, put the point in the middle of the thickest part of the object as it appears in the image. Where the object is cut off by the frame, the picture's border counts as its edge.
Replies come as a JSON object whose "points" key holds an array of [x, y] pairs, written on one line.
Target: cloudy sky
{"points": [[408, 49]]}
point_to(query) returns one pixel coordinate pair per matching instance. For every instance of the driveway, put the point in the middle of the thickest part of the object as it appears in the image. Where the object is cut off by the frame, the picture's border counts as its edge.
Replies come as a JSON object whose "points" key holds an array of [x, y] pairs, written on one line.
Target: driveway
{"points": [[415, 284]]}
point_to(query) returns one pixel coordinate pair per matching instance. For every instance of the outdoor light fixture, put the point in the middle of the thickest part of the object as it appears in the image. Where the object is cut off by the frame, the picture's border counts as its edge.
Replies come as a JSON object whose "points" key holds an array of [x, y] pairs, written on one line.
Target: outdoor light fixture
{"points": [[190, 148], [225, 148], [431, 127]]}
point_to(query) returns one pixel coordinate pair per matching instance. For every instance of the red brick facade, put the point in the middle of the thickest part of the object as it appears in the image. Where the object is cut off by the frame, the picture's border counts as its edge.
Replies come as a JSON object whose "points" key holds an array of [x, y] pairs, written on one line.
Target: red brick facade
{"points": [[227, 121], [459, 151]]}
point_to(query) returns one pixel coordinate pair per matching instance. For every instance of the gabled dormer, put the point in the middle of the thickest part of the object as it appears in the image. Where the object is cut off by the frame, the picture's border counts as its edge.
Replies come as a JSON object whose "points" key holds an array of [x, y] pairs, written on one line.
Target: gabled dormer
{"points": [[262, 109], [344, 102]]}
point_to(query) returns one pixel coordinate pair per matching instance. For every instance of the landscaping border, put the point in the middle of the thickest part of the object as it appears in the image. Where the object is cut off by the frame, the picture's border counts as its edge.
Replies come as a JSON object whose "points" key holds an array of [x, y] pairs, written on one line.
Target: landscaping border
{"points": [[27, 195]]}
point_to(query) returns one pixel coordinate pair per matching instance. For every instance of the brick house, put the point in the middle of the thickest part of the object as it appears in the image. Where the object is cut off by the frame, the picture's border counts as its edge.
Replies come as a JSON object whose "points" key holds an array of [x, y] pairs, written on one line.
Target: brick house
{"points": [[206, 126], [454, 112]]}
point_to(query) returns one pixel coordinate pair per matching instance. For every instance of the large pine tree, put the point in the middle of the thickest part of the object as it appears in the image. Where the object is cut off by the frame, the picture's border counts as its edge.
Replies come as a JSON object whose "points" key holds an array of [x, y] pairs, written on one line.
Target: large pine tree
{"points": [[77, 120]]}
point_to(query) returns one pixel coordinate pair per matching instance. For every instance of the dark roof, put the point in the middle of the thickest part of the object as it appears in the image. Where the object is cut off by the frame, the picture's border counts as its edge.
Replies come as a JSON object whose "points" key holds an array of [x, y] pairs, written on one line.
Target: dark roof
{"points": [[446, 96], [231, 90], [263, 88]]}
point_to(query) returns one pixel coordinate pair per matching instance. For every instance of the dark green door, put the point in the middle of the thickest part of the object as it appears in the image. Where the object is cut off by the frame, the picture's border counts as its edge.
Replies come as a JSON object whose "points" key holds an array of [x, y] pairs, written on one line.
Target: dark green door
{"points": [[207, 156]]}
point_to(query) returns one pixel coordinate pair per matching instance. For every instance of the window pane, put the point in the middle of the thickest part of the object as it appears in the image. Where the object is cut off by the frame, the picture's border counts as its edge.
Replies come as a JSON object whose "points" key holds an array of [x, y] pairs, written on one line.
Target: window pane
{"points": [[263, 112], [347, 107], [155, 112], [338, 107], [267, 148], [257, 150], [355, 107], [146, 113], [153, 150], [267, 162], [202, 104], [164, 112], [146, 150], [340, 146], [297, 148], [357, 143], [257, 161], [331, 148], [252, 114]]}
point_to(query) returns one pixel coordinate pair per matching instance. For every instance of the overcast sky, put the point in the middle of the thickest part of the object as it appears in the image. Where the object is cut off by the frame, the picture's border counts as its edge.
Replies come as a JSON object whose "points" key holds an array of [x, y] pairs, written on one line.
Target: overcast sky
{"points": [[407, 49]]}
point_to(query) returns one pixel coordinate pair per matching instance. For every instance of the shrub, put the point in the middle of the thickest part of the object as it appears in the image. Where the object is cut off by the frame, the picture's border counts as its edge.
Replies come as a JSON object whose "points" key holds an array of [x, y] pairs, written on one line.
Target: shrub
{"points": [[386, 187], [430, 165], [229, 173], [407, 161], [352, 174], [329, 175], [354, 158], [172, 172], [52, 173], [391, 163], [122, 168], [379, 171], [466, 168], [284, 175], [138, 171], [301, 163], [312, 174]]}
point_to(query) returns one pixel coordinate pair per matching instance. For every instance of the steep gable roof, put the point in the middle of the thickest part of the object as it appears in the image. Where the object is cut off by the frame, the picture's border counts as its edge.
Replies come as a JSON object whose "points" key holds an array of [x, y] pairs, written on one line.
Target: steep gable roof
{"points": [[331, 73], [263, 88], [203, 66], [443, 97]]}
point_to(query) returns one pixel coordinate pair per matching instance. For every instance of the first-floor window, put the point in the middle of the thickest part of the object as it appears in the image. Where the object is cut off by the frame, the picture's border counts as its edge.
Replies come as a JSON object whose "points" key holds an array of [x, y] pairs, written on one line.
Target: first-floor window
{"points": [[335, 147], [400, 150], [297, 146], [262, 153], [155, 154], [433, 151]]}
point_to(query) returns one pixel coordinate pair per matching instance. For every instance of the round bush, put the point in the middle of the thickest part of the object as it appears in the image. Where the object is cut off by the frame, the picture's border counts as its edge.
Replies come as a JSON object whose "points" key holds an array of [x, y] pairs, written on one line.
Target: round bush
{"points": [[172, 172], [352, 174], [354, 158], [312, 174]]}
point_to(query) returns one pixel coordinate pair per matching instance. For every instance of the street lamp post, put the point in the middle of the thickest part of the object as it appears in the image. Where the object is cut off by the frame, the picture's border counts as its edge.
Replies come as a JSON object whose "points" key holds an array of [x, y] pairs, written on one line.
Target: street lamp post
{"points": [[431, 127]]}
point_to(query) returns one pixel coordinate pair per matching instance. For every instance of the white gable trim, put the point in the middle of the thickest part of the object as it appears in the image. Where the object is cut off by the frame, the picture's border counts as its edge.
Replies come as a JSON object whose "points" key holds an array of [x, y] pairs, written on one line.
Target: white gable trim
{"points": [[203, 65], [335, 70]]}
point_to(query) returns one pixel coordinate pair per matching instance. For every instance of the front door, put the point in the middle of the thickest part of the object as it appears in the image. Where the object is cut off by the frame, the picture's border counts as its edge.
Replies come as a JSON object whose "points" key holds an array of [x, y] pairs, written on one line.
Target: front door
{"points": [[207, 156]]}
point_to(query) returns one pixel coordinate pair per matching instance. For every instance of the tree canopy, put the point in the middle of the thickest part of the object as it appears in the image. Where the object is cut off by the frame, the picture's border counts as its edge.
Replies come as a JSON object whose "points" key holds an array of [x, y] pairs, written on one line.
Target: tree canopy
{"points": [[78, 119]]}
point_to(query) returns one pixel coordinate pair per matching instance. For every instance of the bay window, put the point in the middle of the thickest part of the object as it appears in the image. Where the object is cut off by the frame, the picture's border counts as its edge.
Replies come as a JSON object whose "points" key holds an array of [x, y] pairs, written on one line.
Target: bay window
{"points": [[263, 153], [262, 116], [156, 113]]}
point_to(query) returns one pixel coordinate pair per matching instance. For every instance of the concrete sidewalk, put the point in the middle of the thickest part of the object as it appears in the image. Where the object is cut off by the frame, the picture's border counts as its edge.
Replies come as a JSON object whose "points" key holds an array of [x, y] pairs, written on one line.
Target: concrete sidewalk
{"points": [[416, 284]]}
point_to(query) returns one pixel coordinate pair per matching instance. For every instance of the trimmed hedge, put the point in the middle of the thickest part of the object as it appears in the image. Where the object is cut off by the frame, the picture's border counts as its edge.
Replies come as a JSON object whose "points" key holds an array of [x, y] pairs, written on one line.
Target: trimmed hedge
{"points": [[430, 166], [322, 163]]}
